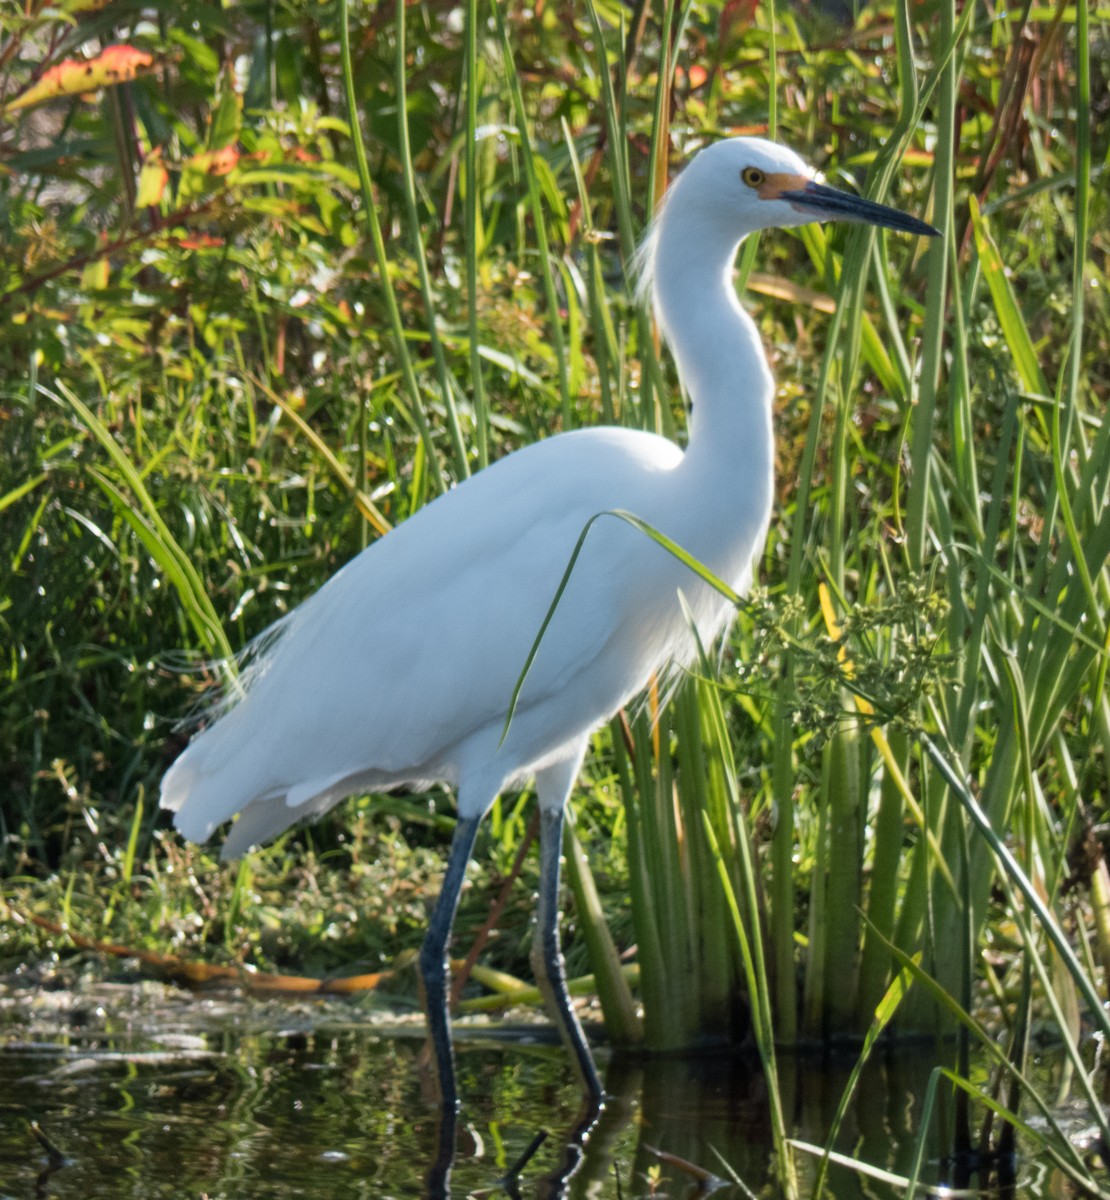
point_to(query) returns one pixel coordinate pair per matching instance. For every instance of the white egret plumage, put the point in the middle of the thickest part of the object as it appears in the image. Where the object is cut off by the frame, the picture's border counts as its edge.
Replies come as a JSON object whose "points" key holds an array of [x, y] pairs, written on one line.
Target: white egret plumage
{"points": [[399, 671]]}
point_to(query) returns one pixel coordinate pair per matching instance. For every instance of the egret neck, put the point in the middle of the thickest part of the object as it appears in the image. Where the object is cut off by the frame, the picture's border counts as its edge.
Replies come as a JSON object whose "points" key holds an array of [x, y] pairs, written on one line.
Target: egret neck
{"points": [[720, 359]]}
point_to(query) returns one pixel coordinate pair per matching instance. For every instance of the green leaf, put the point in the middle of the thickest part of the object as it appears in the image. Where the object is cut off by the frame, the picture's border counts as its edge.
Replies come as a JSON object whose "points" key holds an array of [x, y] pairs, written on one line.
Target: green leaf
{"points": [[1014, 328]]}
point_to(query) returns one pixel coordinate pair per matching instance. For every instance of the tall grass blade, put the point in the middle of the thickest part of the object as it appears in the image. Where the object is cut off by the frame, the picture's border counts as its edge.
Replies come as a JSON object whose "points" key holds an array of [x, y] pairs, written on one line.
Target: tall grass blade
{"points": [[884, 1014], [622, 1022], [933, 332], [760, 997], [473, 241], [155, 535], [532, 166], [408, 177], [1012, 870], [373, 225], [1017, 337]]}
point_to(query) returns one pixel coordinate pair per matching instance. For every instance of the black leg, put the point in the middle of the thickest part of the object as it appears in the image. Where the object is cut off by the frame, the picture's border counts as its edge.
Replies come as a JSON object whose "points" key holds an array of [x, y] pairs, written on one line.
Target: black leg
{"points": [[433, 959], [437, 1182], [547, 956]]}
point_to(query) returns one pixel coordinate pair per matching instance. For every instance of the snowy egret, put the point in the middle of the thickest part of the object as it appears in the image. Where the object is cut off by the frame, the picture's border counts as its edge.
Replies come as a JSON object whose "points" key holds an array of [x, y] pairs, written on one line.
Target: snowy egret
{"points": [[399, 671]]}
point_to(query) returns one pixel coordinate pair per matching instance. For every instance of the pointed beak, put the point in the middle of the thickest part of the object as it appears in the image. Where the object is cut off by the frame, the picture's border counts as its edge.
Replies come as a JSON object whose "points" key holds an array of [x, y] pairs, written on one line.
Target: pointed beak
{"points": [[829, 204]]}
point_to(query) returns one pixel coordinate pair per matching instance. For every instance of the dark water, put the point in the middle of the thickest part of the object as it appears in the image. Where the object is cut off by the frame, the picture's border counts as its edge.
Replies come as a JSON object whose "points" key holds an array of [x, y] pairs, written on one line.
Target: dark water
{"points": [[153, 1092]]}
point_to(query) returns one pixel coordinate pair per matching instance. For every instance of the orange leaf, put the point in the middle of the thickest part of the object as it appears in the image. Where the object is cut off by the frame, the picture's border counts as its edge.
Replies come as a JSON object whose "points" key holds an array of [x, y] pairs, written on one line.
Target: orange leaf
{"points": [[214, 162], [74, 76], [200, 241]]}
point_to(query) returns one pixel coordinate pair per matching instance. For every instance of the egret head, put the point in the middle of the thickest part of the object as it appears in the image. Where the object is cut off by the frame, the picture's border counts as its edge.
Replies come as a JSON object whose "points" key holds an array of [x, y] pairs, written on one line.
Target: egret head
{"points": [[737, 186]]}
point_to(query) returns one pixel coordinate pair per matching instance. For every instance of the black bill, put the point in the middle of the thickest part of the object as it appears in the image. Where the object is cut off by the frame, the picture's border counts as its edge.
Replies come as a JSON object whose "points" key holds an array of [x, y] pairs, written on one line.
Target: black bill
{"points": [[827, 203]]}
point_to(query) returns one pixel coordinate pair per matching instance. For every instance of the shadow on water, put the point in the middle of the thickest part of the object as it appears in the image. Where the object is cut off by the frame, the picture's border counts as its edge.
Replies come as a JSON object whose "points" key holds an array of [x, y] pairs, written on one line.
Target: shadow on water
{"points": [[139, 1091]]}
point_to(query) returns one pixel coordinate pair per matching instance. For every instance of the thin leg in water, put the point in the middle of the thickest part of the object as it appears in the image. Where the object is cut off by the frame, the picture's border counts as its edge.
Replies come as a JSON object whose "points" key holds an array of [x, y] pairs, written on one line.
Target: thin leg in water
{"points": [[433, 958], [547, 955]]}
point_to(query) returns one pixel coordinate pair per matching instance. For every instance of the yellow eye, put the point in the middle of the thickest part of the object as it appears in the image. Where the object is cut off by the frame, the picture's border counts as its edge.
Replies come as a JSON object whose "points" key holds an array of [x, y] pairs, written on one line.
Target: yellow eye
{"points": [[753, 177]]}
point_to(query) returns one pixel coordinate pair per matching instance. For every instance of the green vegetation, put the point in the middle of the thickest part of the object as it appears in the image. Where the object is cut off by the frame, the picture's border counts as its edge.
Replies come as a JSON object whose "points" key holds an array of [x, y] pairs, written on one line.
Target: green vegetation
{"points": [[237, 343]]}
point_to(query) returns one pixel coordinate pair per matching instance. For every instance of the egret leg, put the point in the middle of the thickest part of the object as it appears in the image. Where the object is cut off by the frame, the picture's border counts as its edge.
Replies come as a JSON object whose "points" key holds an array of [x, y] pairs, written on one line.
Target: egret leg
{"points": [[547, 955], [437, 1182], [433, 958]]}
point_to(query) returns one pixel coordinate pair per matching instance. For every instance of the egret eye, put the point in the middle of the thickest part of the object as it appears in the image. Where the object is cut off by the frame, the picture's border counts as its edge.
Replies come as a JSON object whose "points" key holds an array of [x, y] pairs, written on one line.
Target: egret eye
{"points": [[753, 177]]}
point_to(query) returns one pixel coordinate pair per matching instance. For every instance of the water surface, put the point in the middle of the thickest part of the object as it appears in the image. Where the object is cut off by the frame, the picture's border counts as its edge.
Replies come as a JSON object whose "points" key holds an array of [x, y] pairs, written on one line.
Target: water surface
{"points": [[150, 1091]]}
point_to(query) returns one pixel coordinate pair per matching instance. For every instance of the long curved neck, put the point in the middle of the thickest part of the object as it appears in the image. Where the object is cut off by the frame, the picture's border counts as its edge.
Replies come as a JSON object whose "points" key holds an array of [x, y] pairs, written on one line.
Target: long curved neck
{"points": [[716, 346]]}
